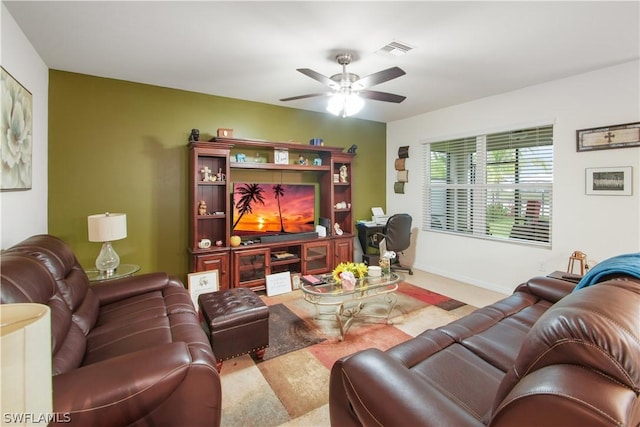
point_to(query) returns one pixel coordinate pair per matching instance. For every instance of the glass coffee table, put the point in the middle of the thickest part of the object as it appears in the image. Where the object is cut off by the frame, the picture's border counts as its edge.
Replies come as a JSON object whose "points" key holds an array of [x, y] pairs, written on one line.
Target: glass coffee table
{"points": [[333, 301]]}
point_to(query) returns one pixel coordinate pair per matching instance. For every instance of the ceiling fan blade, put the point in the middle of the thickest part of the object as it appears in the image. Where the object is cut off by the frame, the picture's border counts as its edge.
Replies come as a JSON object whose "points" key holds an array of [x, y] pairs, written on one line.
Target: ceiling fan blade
{"points": [[310, 95], [377, 78], [319, 77], [381, 96]]}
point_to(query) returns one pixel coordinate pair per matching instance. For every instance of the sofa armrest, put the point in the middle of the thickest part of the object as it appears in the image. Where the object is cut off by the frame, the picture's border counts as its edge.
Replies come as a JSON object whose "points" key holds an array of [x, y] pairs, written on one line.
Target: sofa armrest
{"points": [[379, 390], [571, 396], [126, 287], [547, 288], [127, 388]]}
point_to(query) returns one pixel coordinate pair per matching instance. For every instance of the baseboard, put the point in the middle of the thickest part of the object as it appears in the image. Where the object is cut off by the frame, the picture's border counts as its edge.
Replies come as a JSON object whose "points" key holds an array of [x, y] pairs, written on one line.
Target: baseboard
{"points": [[464, 279]]}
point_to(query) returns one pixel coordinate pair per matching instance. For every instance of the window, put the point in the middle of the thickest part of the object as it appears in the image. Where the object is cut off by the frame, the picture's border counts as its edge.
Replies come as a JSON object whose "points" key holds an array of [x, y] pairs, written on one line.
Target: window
{"points": [[495, 186]]}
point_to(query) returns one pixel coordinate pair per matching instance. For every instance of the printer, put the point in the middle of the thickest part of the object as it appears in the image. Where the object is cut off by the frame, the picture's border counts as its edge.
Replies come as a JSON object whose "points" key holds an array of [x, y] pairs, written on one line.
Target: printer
{"points": [[378, 217]]}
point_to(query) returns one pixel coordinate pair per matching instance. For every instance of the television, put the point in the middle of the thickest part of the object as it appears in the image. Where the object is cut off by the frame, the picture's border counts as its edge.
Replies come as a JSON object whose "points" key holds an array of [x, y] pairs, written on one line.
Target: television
{"points": [[262, 208]]}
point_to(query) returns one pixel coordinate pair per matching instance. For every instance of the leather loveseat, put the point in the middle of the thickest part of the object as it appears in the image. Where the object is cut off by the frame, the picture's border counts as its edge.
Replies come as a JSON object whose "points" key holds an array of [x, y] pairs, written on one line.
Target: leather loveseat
{"points": [[129, 351], [544, 356]]}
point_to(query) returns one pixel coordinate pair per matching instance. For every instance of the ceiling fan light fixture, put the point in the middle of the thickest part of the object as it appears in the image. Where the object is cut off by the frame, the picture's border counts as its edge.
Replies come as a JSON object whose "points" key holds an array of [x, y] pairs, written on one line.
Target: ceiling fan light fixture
{"points": [[345, 99], [345, 104]]}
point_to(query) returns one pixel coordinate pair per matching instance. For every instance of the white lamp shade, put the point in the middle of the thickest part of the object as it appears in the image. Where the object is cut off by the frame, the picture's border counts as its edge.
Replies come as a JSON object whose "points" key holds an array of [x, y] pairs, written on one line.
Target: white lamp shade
{"points": [[25, 347], [107, 227]]}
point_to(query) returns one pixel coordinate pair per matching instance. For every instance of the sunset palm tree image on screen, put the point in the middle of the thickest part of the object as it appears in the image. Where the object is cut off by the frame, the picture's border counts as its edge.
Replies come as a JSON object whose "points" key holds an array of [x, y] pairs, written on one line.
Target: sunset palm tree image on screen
{"points": [[260, 208]]}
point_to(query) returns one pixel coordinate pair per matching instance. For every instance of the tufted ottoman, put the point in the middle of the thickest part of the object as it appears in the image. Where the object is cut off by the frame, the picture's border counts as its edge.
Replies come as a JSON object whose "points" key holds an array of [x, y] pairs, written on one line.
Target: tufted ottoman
{"points": [[238, 322]]}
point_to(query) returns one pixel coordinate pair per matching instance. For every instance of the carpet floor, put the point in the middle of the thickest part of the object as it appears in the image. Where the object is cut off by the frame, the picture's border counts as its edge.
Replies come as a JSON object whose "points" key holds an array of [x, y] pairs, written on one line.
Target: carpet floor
{"points": [[288, 332], [290, 386]]}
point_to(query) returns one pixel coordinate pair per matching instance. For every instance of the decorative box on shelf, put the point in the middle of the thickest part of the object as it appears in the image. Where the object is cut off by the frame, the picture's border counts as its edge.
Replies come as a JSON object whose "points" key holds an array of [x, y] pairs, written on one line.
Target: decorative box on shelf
{"points": [[225, 133]]}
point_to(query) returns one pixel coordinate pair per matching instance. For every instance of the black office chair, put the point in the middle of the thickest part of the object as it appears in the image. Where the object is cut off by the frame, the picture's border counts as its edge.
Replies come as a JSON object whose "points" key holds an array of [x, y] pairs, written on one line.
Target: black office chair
{"points": [[397, 238]]}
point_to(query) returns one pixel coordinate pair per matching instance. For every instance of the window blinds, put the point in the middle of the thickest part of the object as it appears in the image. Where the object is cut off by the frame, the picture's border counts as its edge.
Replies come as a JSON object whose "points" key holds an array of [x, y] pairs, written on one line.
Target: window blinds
{"points": [[495, 186]]}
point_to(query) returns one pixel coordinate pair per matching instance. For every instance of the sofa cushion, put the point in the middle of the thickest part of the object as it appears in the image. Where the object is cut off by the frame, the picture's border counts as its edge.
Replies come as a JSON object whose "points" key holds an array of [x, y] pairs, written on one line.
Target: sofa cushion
{"points": [[70, 351], [71, 280], [26, 279], [174, 298], [112, 340], [495, 333], [144, 306], [457, 373], [107, 342]]}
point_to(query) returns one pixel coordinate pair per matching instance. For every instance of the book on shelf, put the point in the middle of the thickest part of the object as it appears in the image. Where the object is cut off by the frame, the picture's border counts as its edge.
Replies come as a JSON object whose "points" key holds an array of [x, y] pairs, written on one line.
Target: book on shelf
{"points": [[283, 255]]}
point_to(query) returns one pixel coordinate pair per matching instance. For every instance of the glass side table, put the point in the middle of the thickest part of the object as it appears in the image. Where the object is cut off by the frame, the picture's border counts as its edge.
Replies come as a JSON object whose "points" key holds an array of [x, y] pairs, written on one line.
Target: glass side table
{"points": [[123, 270]]}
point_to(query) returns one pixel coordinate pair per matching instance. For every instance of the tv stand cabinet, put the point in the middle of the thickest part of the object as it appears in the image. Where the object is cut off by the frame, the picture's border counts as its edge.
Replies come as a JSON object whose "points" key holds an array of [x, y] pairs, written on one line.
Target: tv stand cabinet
{"points": [[214, 164]]}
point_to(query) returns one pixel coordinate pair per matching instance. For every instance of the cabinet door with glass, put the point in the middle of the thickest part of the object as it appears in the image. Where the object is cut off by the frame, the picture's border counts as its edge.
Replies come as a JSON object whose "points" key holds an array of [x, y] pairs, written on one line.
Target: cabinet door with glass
{"points": [[250, 268], [316, 257]]}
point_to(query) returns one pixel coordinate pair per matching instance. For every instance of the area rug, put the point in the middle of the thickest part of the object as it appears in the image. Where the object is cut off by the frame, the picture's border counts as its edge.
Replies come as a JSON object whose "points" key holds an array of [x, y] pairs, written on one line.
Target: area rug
{"points": [[287, 333], [290, 387]]}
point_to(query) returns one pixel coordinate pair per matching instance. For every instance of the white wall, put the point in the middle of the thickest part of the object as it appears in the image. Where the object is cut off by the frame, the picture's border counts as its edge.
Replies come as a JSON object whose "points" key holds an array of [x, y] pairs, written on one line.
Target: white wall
{"points": [[600, 226], [24, 213]]}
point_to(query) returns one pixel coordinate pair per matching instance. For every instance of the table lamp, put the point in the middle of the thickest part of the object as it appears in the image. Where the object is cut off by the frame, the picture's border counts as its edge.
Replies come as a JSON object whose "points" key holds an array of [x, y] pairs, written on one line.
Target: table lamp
{"points": [[106, 228], [25, 338]]}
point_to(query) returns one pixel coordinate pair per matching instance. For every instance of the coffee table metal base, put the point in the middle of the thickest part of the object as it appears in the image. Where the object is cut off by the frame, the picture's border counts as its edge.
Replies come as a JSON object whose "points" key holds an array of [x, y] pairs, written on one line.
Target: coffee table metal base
{"points": [[347, 307], [344, 314]]}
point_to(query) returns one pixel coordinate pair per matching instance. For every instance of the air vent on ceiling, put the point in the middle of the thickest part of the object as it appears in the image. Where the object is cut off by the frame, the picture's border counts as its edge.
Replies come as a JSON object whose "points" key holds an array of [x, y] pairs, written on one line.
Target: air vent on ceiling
{"points": [[395, 48]]}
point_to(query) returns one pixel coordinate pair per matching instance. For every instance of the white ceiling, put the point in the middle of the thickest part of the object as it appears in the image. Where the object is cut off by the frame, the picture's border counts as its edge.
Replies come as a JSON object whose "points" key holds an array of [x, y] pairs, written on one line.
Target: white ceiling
{"points": [[250, 50]]}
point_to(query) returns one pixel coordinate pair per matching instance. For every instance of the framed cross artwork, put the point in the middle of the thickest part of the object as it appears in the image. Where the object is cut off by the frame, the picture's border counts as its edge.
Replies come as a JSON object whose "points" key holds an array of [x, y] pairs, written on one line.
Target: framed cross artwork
{"points": [[607, 137]]}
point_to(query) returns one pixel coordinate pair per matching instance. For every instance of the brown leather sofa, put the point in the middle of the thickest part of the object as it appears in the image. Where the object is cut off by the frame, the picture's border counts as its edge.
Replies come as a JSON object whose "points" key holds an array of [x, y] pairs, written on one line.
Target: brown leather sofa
{"points": [[544, 356], [127, 352]]}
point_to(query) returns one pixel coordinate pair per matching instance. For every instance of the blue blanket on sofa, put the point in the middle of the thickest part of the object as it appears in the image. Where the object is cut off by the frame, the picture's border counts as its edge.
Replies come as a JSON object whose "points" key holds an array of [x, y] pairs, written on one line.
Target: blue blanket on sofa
{"points": [[621, 264]]}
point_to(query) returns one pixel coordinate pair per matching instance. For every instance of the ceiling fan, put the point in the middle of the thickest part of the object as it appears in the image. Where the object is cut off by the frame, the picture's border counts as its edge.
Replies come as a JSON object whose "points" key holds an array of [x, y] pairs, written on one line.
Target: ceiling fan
{"points": [[349, 88]]}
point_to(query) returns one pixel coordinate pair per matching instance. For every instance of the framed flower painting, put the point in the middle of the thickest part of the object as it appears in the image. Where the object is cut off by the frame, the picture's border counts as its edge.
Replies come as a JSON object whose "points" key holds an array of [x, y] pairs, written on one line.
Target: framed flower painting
{"points": [[16, 135]]}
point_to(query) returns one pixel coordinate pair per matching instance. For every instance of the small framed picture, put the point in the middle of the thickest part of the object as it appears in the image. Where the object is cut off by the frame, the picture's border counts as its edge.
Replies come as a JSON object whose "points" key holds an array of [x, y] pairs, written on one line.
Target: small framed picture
{"points": [[336, 178], [614, 181], [280, 157], [278, 283], [295, 280], [202, 282]]}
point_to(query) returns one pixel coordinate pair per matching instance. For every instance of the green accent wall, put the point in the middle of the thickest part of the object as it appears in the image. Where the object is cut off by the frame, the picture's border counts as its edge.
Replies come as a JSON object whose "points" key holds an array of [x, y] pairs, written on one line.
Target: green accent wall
{"points": [[119, 146]]}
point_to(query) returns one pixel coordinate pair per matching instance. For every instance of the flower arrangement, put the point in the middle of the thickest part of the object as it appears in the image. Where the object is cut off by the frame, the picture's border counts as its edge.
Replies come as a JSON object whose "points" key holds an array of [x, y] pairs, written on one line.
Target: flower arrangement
{"points": [[385, 261], [357, 269]]}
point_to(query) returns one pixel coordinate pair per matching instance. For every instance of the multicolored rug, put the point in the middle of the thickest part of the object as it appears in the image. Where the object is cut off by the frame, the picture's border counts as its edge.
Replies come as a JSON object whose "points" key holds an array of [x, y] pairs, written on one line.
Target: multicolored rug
{"points": [[287, 333], [290, 387]]}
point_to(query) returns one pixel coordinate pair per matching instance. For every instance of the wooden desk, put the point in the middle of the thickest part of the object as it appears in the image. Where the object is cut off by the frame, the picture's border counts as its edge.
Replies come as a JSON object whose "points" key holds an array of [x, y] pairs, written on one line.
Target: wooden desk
{"points": [[370, 242]]}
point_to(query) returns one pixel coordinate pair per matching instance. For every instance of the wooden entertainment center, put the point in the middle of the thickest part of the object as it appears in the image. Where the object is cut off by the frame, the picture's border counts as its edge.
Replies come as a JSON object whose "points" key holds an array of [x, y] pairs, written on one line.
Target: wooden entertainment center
{"points": [[214, 164]]}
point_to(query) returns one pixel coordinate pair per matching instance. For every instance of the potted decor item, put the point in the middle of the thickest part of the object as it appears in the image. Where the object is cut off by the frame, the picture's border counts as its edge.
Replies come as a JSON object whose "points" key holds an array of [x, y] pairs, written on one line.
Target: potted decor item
{"points": [[348, 273], [348, 280], [385, 262]]}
